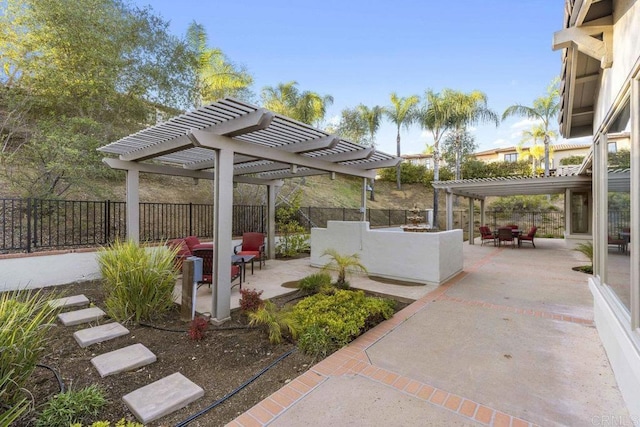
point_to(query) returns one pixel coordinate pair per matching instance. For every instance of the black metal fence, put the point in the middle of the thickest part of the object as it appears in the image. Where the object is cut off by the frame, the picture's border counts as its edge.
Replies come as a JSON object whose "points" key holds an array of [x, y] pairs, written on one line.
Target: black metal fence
{"points": [[28, 225]]}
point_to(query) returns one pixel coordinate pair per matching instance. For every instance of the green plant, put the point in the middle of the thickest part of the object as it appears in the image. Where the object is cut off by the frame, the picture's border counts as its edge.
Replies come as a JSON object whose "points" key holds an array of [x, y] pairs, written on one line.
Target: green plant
{"points": [[138, 281], [293, 238], [341, 316], [250, 300], [25, 318], [276, 321], [197, 328], [10, 413], [314, 282], [72, 407], [586, 248], [342, 264]]}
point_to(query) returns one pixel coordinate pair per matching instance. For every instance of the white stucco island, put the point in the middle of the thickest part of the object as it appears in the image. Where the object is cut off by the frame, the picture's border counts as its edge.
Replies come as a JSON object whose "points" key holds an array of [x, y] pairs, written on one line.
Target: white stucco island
{"points": [[425, 258]]}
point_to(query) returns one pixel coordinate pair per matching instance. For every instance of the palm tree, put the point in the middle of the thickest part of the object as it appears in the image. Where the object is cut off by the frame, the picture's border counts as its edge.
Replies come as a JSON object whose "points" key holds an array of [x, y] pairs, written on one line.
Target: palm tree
{"points": [[536, 152], [435, 115], [468, 109], [307, 107], [544, 109], [215, 76], [342, 264], [401, 113], [372, 117]]}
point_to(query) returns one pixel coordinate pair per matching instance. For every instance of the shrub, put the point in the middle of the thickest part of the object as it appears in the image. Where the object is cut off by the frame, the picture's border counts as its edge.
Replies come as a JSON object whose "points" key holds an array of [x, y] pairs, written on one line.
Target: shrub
{"points": [[138, 282], [276, 321], [72, 407], [342, 316], [293, 239], [586, 248], [250, 300], [25, 319], [342, 264], [315, 282], [197, 328], [11, 412]]}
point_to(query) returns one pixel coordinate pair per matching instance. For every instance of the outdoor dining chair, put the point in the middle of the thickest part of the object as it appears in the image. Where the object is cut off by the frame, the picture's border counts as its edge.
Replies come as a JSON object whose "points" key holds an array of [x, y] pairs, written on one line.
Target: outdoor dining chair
{"points": [[528, 237], [505, 234], [252, 244], [207, 267], [486, 234]]}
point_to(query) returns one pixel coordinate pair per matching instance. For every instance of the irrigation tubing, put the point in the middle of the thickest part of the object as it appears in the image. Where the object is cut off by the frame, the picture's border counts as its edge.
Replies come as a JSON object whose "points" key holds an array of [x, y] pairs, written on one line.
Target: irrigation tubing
{"points": [[58, 377], [242, 386], [184, 331]]}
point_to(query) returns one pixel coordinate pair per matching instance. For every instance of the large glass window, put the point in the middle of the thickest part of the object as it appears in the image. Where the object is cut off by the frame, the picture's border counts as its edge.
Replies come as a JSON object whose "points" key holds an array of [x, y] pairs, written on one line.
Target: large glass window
{"points": [[511, 157]]}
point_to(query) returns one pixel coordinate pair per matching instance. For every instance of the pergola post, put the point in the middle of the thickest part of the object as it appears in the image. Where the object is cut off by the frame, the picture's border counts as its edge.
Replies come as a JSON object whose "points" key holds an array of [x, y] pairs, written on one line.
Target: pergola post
{"points": [[471, 221], [222, 223], [272, 191], [449, 201], [133, 205], [483, 219], [363, 200]]}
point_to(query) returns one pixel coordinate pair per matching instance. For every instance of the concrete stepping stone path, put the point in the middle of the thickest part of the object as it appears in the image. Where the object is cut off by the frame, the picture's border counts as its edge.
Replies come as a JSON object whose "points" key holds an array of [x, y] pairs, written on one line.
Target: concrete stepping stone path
{"points": [[78, 317], [86, 337], [123, 359], [162, 397], [73, 301]]}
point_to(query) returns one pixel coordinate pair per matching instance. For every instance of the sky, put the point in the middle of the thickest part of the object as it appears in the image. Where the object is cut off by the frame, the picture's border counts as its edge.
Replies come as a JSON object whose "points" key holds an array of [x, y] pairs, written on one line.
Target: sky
{"points": [[361, 51]]}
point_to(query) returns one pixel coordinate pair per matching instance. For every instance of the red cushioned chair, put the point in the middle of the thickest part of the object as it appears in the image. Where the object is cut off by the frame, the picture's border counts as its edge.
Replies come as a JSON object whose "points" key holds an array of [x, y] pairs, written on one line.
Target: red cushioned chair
{"points": [[252, 244], [505, 234], [486, 234], [183, 251], [207, 267], [528, 237]]}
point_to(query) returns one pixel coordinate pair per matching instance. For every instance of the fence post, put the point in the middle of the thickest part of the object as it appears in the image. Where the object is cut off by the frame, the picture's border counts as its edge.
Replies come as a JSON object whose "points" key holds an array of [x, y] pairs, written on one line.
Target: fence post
{"points": [[34, 217], [190, 219], [28, 225], [107, 221]]}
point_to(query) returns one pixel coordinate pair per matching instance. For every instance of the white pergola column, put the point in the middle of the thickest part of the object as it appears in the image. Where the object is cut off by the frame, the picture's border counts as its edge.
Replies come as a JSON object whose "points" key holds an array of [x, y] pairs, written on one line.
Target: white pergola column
{"points": [[363, 200], [471, 221], [449, 202], [272, 192], [222, 223], [133, 205]]}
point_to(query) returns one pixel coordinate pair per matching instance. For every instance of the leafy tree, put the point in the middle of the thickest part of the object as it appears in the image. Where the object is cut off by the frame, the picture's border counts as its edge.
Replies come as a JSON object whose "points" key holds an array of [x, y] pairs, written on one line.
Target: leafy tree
{"points": [[467, 109], [77, 74], [401, 113], [215, 76], [474, 169], [457, 148], [307, 107], [352, 126], [572, 160], [544, 109], [372, 117], [620, 159]]}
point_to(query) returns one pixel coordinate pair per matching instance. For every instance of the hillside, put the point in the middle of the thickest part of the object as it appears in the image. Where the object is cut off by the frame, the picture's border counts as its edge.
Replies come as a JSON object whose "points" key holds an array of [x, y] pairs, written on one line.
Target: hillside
{"points": [[318, 191]]}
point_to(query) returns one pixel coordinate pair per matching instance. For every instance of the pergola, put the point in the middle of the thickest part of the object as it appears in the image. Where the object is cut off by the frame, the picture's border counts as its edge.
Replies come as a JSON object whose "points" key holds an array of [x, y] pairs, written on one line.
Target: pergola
{"points": [[231, 141]]}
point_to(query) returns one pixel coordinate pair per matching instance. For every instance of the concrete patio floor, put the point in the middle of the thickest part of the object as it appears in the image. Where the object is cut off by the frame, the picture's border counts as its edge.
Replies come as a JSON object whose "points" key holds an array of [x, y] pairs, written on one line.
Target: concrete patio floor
{"points": [[510, 341]]}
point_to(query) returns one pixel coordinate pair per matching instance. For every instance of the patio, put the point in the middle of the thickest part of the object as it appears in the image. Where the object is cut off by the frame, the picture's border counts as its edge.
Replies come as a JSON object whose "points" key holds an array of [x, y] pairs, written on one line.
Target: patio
{"points": [[510, 341]]}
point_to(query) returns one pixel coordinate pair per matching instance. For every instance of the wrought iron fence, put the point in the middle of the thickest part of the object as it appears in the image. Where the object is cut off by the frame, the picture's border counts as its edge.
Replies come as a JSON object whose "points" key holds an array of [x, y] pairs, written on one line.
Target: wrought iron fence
{"points": [[28, 225]]}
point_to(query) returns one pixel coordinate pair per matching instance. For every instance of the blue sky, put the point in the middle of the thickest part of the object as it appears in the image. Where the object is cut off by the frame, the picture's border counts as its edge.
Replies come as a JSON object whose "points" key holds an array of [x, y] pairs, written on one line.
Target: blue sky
{"points": [[361, 51]]}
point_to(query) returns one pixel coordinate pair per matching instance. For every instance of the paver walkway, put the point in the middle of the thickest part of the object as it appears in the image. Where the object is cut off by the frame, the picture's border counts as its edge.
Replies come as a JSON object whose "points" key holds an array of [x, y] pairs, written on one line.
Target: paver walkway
{"points": [[509, 342]]}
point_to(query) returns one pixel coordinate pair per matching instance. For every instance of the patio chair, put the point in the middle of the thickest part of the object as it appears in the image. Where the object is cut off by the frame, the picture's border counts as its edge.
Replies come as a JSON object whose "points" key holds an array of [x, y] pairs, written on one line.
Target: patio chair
{"points": [[252, 244], [619, 242], [207, 267], [528, 237], [486, 234], [505, 234]]}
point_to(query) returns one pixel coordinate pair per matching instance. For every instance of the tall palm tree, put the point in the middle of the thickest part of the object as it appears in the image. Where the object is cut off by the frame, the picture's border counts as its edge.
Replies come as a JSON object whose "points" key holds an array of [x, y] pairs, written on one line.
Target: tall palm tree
{"points": [[215, 76], [435, 115], [401, 113], [468, 109], [536, 152], [544, 109], [373, 118], [285, 98]]}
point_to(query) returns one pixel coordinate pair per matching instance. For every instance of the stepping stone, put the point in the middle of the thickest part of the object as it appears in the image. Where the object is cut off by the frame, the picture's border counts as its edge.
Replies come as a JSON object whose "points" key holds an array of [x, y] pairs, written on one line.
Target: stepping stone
{"points": [[78, 317], [162, 397], [74, 301], [86, 337], [123, 359]]}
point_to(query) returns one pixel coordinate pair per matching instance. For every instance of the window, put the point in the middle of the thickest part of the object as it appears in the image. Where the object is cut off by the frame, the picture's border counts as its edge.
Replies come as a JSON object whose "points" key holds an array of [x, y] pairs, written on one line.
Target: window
{"points": [[579, 212], [513, 157], [612, 147]]}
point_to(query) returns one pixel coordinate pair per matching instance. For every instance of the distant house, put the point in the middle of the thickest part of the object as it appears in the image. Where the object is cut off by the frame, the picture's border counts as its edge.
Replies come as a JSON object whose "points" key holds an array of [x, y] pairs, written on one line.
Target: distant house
{"points": [[510, 154], [421, 159]]}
